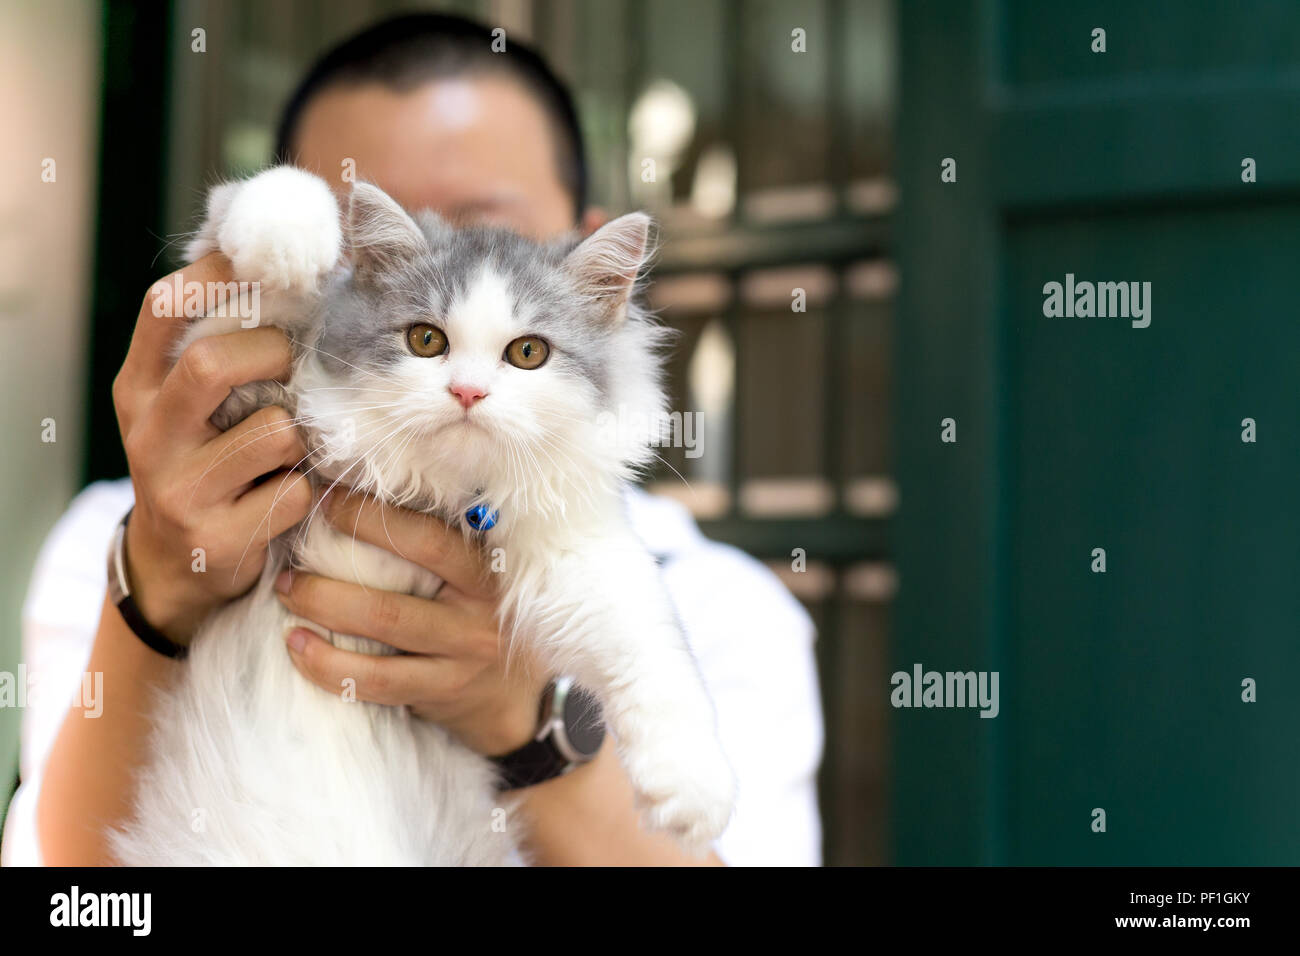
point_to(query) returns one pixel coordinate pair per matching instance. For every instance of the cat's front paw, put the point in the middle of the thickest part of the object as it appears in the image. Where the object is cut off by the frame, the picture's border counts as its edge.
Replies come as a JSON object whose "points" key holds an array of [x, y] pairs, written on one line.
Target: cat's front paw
{"points": [[684, 786], [281, 228]]}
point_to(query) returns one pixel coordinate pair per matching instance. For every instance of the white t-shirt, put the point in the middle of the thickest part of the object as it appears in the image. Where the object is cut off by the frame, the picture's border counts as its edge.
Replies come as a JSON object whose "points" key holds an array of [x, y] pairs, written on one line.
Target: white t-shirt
{"points": [[753, 641]]}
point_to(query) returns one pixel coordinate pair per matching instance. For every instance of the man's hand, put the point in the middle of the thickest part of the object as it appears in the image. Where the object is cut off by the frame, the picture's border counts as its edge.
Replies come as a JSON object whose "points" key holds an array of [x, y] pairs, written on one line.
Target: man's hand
{"points": [[196, 487], [454, 669]]}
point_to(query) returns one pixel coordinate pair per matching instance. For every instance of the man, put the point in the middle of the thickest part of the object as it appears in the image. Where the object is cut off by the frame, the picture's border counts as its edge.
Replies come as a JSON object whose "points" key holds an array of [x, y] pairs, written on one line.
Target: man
{"points": [[422, 107]]}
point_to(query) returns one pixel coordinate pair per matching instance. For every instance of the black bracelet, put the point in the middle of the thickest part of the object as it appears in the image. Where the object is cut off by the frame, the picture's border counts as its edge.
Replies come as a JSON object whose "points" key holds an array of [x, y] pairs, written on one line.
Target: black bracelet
{"points": [[119, 592]]}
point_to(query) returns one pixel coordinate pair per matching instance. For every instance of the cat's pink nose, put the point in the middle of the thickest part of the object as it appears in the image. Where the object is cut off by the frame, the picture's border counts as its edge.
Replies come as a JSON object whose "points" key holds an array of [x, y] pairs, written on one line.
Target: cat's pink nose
{"points": [[467, 395]]}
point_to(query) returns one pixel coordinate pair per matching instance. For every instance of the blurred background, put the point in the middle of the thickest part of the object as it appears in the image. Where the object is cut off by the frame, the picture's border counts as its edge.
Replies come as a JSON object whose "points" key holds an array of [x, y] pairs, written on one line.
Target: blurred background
{"points": [[820, 171]]}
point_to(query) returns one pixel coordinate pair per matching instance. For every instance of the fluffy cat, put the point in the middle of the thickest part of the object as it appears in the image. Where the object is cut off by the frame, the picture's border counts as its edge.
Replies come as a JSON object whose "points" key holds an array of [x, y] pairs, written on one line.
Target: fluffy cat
{"points": [[250, 763]]}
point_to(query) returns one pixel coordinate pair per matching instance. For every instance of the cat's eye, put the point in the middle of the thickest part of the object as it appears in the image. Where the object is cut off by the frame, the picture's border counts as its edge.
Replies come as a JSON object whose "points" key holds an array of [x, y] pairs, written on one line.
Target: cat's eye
{"points": [[528, 352], [426, 341]]}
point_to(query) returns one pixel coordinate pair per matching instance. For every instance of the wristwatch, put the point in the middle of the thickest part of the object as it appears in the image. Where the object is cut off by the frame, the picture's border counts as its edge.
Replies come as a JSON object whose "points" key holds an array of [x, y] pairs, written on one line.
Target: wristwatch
{"points": [[571, 728], [119, 592]]}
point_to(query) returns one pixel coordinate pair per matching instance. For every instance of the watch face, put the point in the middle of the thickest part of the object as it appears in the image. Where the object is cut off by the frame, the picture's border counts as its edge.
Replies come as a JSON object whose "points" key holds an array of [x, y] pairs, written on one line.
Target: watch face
{"points": [[584, 723]]}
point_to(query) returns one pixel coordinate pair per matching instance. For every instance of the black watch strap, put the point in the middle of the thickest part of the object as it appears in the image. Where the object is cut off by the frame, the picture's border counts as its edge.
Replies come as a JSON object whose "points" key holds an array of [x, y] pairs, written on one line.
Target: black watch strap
{"points": [[535, 762], [570, 731], [119, 589]]}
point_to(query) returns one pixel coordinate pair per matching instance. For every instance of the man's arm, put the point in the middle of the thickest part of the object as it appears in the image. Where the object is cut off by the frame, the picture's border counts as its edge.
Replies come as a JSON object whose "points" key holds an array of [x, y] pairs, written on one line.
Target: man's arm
{"points": [[588, 818], [86, 786], [195, 488]]}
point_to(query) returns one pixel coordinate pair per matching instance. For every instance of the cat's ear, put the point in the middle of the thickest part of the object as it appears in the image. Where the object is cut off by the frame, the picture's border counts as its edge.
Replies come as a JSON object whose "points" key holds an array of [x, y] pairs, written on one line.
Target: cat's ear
{"points": [[605, 265], [381, 236]]}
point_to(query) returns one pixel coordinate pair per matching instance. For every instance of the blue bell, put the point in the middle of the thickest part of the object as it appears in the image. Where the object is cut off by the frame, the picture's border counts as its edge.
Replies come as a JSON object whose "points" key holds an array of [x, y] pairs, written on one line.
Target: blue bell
{"points": [[480, 518]]}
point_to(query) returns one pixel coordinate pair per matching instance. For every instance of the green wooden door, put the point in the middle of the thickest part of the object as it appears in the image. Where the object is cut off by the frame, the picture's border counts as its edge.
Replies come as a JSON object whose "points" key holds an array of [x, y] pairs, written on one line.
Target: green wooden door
{"points": [[1119, 690]]}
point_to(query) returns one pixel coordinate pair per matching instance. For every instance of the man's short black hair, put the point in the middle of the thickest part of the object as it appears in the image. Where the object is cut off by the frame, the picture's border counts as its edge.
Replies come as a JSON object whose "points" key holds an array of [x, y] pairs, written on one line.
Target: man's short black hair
{"points": [[408, 50]]}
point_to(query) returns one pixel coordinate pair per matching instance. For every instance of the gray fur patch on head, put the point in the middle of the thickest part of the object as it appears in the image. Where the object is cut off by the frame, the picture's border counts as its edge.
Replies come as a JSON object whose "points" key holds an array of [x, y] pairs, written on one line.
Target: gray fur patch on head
{"points": [[557, 290]]}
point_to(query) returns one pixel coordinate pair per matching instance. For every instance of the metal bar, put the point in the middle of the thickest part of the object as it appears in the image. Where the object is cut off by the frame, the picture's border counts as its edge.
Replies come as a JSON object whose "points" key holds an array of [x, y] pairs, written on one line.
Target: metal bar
{"points": [[830, 674], [834, 330], [837, 160], [820, 241], [733, 53], [838, 540], [733, 27], [731, 319], [830, 646], [134, 119]]}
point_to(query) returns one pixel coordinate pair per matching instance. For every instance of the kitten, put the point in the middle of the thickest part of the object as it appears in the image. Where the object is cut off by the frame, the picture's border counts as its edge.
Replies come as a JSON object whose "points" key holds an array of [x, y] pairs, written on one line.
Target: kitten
{"points": [[252, 764]]}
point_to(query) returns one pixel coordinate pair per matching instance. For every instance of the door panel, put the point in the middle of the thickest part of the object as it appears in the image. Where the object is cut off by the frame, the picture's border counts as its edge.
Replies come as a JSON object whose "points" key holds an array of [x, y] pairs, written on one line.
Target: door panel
{"points": [[1119, 690], [1128, 683]]}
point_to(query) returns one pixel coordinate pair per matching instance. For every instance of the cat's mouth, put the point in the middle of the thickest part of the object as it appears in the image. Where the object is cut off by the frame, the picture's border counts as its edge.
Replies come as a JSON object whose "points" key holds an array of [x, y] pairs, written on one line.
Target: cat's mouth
{"points": [[467, 420]]}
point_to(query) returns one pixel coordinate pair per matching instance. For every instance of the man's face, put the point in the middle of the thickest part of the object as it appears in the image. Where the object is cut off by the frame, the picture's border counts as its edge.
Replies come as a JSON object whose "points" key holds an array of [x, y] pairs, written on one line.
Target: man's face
{"points": [[474, 150]]}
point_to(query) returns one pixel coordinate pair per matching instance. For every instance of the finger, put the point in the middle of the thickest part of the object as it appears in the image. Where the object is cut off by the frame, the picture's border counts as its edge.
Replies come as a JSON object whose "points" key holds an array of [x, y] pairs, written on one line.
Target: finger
{"points": [[381, 679], [409, 623], [162, 319], [209, 368], [274, 506], [422, 539], [265, 441]]}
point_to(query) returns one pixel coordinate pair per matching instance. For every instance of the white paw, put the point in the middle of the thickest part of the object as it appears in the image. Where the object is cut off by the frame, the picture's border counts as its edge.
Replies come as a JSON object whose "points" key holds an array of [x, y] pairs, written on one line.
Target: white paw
{"points": [[281, 228], [205, 240], [684, 785]]}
